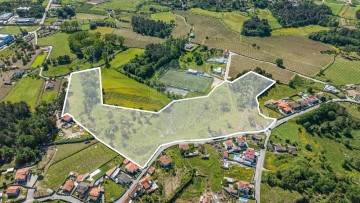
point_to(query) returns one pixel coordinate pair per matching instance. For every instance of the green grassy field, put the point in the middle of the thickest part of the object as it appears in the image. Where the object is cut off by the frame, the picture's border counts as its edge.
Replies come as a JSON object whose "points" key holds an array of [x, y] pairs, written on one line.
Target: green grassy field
{"points": [[103, 30], [240, 172], [103, 169], [348, 12], [86, 16], [59, 41], [287, 131], [276, 195], [133, 39], [335, 8], [27, 90], [266, 14], [189, 82], [125, 56], [123, 91], [16, 29], [39, 60], [68, 68], [300, 31], [49, 96], [112, 190], [124, 5], [343, 72], [165, 16], [82, 162], [66, 150]]}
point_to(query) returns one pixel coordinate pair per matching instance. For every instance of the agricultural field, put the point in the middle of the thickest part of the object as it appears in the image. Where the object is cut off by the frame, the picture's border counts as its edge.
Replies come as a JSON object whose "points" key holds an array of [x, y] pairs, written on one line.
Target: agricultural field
{"points": [[27, 89], [65, 150], [86, 16], [39, 60], [240, 64], [305, 59], [299, 32], [123, 5], [181, 29], [335, 8], [189, 82], [76, 64], [133, 39], [125, 57], [59, 41], [82, 162], [122, 91], [343, 72], [266, 14], [103, 30], [159, 8], [348, 12], [167, 17]]}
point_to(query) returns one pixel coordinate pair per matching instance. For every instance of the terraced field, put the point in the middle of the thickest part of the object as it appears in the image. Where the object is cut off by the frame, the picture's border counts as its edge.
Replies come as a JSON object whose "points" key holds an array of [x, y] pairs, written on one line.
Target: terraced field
{"points": [[132, 39], [343, 72], [240, 63]]}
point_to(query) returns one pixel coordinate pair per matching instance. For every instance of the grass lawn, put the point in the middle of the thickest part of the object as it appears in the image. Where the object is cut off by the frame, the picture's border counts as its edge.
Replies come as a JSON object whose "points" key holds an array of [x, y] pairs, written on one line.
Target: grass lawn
{"points": [[335, 8], [124, 5], [66, 150], [6, 178], [103, 169], [86, 16], [27, 89], [165, 16], [123, 91], [300, 31], [39, 60], [287, 131], [125, 57], [82, 162], [59, 41], [343, 72], [183, 80], [103, 30], [49, 96], [112, 190]]}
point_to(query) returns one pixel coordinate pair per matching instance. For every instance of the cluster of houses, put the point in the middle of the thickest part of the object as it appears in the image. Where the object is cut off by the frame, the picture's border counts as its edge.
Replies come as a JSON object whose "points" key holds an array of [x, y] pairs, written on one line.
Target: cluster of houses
{"points": [[22, 177], [285, 149], [288, 107], [237, 187], [79, 186], [240, 152]]}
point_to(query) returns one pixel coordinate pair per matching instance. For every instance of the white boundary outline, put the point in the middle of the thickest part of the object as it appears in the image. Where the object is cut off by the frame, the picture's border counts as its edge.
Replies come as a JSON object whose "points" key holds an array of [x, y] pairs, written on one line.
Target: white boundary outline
{"points": [[169, 144]]}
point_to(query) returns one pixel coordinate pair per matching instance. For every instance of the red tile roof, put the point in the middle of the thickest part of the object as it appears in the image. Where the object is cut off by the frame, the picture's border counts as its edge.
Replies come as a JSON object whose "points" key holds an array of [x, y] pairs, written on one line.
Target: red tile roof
{"points": [[81, 178], [111, 171], [21, 174], [243, 184], [131, 167], [184, 146], [145, 182], [241, 139], [66, 118], [229, 143], [68, 186], [151, 170], [226, 154], [126, 161], [95, 192], [250, 151], [249, 156], [12, 189], [165, 160]]}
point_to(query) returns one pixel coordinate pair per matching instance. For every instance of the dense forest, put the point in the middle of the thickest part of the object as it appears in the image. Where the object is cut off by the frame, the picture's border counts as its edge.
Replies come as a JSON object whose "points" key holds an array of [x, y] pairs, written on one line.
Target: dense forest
{"points": [[66, 12], [150, 27], [348, 39], [304, 13], [256, 27], [35, 11], [329, 121], [155, 57], [22, 132], [94, 46]]}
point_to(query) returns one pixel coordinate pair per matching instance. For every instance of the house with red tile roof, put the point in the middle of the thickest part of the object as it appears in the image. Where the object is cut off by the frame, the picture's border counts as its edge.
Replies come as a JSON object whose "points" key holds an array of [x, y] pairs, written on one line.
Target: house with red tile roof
{"points": [[241, 141], [165, 161], [126, 161], [13, 191], [81, 178], [110, 173], [22, 175], [94, 194], [184, 147], [66, 119], [284, 107], [243, 186], [132, 168], [151, 170], [68, 186], [146, 182], [228, 144]]}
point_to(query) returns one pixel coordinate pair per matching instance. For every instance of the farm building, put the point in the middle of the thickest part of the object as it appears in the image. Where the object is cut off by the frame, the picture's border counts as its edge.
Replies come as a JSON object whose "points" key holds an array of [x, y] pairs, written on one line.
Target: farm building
{"points": [[94, 194], [22, 175], [68, 186], [217, 70], [50, 85], [165, 161], [5, 39], [6, 16], [25, 21], [13, 191]]}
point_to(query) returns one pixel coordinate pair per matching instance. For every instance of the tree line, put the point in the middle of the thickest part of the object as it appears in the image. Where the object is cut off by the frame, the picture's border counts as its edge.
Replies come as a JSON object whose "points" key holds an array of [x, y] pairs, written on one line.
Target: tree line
{"points": [[302, 13], [256, 27], [150, 27], [348, 39]]}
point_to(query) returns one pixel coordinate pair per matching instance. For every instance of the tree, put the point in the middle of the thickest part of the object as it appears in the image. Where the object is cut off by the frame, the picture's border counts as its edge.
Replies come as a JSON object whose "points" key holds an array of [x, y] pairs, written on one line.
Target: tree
{"points": [[256, 27], [357, 14], [279, 62], [235, 186]]}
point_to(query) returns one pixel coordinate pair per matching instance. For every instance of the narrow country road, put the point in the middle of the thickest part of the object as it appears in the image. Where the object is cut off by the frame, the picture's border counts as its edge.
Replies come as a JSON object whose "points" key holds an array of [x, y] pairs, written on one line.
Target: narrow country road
{"points": [[228, 64], [46, 10]]}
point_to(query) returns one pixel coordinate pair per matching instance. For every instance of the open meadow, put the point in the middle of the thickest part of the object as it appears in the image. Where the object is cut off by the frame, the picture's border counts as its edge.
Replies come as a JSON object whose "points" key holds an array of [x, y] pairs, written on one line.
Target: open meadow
{"points": [[133, 39], [182, 80], [123, 5], [27, 89], [240, 63], [181, 30], [16, 29], [39, 60], [122, 91], [266, 14], [343, 72], [84, 161], [167, 17], [348, 12], [103, 30], [125, 57], [60, 44], [299, 31]]}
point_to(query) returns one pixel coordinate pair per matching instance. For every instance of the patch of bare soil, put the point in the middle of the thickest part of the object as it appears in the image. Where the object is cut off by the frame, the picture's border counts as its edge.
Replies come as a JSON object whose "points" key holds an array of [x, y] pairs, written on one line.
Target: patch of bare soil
{"points": [[172, 182]]}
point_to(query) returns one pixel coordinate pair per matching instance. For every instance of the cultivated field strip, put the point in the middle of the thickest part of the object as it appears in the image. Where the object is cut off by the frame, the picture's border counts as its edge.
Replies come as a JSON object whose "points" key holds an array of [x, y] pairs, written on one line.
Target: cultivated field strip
{"points": [[133, 39], [182, 29], [299, 54], [240, 63]]}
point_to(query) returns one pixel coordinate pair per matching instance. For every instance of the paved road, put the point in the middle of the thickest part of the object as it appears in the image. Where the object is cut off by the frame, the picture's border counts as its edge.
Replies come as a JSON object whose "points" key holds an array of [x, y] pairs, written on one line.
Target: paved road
{"points": [[227, 70], [41, 68], [46, 10], [60, 197]]}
